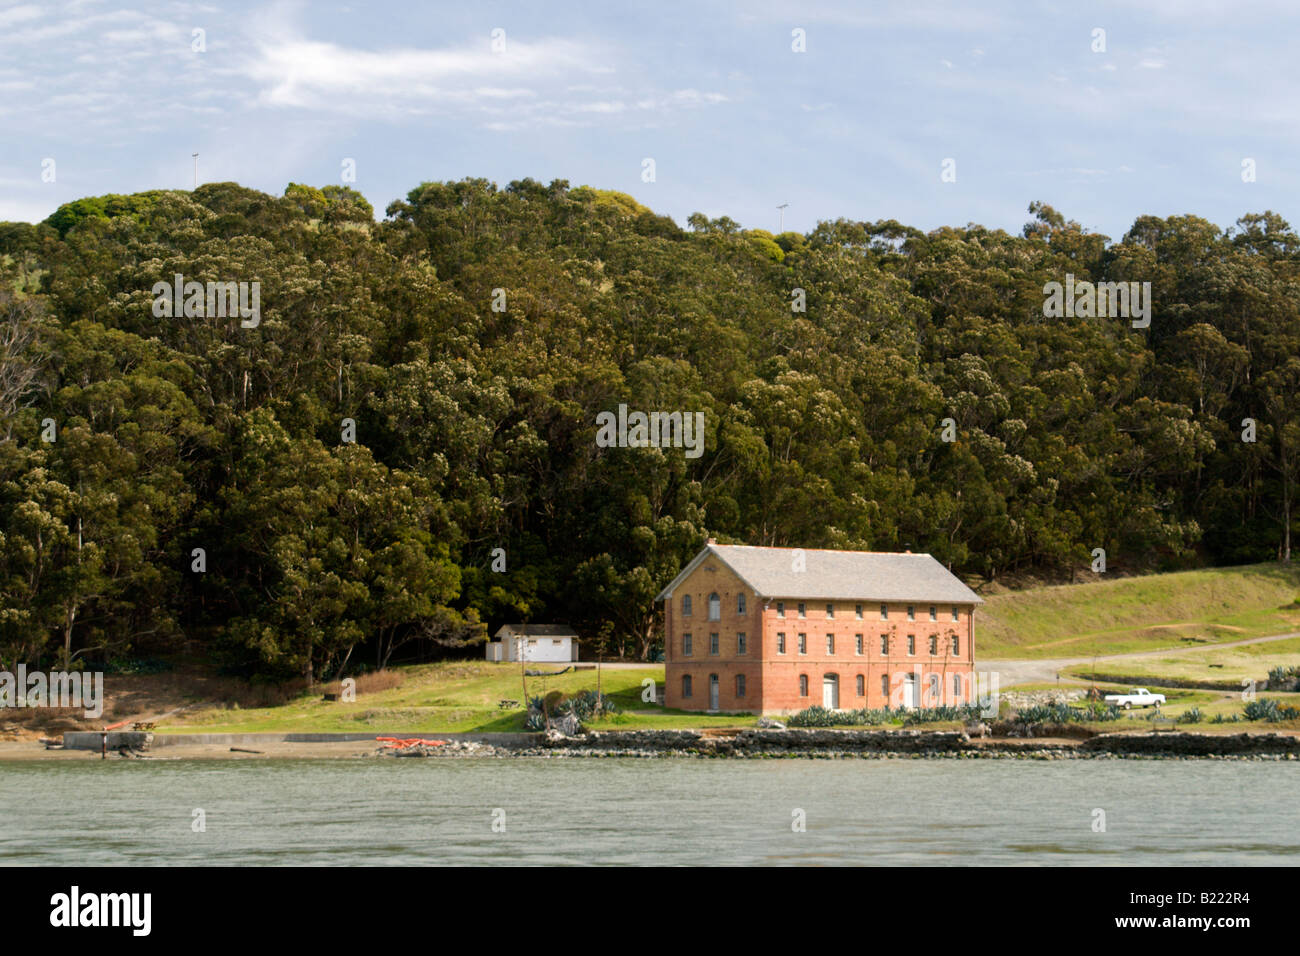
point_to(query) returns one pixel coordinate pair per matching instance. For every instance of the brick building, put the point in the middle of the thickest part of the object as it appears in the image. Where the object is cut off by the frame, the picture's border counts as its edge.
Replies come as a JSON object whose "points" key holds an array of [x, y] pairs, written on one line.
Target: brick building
{"points": [[775, 630]]}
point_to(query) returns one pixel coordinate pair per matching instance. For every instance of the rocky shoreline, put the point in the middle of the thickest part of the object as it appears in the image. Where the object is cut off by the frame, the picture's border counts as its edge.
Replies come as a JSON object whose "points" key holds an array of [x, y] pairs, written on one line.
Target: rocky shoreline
{"points": [[838, 744]]}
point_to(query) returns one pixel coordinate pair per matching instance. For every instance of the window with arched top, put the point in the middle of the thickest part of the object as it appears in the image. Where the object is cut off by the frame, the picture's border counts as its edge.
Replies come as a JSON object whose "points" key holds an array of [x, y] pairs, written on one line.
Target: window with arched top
{"points": [[686, 685], [956, 685], [686, 605], [803, 685], [740, 685], [715, 607]]}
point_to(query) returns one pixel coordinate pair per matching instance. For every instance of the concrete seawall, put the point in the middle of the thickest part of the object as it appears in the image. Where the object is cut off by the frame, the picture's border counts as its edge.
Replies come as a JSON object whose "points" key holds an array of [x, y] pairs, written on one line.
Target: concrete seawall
{"points": [[938, 743], [757, 743]]}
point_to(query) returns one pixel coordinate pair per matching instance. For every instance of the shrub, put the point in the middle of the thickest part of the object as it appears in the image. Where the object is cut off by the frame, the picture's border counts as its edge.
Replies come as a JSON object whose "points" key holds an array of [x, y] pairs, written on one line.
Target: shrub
{"points": [[929, 715], [818, 716], [1284, 678], [1265, 708], [581, 705], [815, 716], [1192, 716], [1220, 719], [1064, 713]]}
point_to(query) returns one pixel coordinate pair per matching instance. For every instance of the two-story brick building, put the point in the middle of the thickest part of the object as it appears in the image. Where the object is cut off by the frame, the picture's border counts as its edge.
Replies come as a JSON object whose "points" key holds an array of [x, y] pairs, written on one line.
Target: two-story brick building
{"points": [[775, 630]]}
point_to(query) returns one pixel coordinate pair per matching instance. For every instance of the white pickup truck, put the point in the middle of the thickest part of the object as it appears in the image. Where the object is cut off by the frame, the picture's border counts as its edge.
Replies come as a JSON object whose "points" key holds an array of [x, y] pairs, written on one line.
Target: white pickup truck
{"points": [[1141, 697]]}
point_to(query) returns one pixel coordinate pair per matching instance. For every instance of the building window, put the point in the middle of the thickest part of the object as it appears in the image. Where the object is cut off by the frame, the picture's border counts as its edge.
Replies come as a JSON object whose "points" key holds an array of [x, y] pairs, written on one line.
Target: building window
{"points": [[884, 612], [934, 613], [740, 603], [713, 645], [686, 685], [803, 685], [911, 644], [803, 609], [715, 607], [884, 687], [803, 643], [911, 612], [857, 611], [862, 686], [830, 612], [956, 686], [933, 682], [740, 685], [780, 643], [884, 644], [857, 647], [740, 644], [934, 644], [780, 609], [686, 605], [955, 616], [686, 645], [956, 646], [830, 643]]}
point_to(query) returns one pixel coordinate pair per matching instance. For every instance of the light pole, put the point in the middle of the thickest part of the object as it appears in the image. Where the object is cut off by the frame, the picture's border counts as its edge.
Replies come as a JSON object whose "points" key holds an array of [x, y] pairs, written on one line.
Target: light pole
{"points": [[781, 228], [196, 169]]}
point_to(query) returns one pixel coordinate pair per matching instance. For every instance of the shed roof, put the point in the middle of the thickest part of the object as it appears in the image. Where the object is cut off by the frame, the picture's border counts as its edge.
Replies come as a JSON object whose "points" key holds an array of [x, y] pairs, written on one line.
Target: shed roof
{"points": [[536, 630], [836, 575]]}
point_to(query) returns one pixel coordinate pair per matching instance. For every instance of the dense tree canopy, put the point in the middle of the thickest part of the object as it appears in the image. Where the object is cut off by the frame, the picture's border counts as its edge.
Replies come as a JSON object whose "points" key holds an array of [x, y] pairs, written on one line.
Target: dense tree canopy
{"points": [[401, 451]]}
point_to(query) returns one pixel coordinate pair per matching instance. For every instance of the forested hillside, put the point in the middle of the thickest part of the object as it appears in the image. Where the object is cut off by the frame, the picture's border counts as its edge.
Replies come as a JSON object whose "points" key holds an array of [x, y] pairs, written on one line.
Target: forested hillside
{"points": [[128, 441]]}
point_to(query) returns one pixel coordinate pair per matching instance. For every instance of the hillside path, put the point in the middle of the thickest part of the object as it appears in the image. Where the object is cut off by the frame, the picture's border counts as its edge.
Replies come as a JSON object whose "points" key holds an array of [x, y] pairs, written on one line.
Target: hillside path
{"points": [[1046, 669]]}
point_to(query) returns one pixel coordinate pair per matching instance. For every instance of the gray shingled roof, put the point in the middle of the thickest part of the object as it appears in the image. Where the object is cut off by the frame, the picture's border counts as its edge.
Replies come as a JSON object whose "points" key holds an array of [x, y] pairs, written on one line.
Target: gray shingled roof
{"points": [[837, 575], [536, 630]]}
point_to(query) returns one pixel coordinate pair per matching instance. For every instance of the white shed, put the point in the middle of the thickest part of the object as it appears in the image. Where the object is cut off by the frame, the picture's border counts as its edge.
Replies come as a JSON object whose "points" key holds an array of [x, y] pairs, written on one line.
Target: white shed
{"points": [[534, 642]]}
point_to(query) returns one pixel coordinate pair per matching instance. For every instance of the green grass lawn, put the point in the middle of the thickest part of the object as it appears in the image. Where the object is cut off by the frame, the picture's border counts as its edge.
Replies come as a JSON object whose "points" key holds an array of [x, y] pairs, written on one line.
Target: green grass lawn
{"points": [[452, 697], [1185, 608]]}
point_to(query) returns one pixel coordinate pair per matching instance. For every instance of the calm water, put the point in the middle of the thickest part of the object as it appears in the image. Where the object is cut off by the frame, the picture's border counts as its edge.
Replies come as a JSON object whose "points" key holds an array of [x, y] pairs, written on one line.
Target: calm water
{"points": [[664, 811]]}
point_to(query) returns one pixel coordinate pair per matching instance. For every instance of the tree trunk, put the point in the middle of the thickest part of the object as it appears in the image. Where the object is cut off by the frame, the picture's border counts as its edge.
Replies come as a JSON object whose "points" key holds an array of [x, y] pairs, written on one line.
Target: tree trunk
{"points": [[70, 617]]}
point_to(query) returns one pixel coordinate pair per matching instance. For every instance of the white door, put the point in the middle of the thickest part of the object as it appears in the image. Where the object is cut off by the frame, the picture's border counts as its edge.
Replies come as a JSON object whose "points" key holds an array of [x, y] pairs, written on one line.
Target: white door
{"points": [[831, 692], [713, 692], [909, 690]]}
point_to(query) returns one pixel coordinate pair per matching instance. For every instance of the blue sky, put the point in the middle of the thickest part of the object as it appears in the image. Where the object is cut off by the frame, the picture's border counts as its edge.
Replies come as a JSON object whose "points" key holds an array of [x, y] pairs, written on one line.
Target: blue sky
{"points": [[857, 126]]}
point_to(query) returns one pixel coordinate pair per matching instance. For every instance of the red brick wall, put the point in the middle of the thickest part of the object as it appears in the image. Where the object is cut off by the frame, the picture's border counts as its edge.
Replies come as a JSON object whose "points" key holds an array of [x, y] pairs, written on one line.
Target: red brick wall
{"points": [[713, 577], [781, 671]]}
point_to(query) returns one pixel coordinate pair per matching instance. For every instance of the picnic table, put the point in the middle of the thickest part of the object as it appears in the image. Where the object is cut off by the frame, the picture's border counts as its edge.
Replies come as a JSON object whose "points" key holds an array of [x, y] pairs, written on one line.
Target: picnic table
{"points": [[507, 704]]}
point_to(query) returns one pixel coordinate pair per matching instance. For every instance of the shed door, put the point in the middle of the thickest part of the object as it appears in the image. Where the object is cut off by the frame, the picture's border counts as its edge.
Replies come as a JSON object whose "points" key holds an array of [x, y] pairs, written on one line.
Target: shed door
{"points": [[831, 692]]}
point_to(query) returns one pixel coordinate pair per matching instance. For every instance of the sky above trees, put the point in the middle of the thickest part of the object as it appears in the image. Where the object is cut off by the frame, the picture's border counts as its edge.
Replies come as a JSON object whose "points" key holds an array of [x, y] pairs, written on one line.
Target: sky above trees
{"points": [[858, 125]]}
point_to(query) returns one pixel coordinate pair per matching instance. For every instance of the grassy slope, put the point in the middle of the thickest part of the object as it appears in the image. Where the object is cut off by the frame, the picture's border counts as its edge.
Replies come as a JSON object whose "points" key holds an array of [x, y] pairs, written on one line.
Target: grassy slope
{"points": [[449, 697], [1140, 614]]}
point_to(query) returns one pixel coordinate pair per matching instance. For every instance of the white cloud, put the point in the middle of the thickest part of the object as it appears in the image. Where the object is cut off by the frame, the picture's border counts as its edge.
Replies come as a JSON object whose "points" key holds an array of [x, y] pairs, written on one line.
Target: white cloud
{"points": [[318, 75], [20, 14]]}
